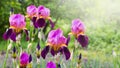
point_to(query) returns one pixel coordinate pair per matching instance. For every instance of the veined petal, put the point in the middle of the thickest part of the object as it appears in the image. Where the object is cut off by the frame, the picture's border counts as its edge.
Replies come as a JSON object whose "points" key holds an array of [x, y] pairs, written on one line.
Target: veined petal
{"points": [[83, 40], [45, 51], [66, 53], [7, 34], [40, 23]]}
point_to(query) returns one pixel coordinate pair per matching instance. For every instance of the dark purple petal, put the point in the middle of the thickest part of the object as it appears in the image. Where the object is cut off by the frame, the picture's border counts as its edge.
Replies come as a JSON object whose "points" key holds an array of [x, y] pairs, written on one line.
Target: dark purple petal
{"points": [[34, 19], [7, 34], [52, 52], [27, 34], [40, 23], [38, 46], [68, 40], [52, 24], [13, 36], [30, 58], [45, 51], [66, 52], [83, 40]]}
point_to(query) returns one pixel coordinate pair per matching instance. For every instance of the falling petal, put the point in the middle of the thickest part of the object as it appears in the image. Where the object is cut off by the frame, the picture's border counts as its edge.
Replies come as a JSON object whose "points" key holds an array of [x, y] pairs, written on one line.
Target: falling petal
{"points": [[83, 40], [45, 51], [13, 36], [40, 23], [66, 52], [27, 34], [53, 52], [68, 40], [7, 34], [52, 24]]}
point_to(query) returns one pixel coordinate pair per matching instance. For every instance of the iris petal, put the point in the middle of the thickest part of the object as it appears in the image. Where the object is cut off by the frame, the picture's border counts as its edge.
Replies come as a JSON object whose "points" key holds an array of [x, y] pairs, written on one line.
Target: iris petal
{"points": [[68, 40], [52, 52], [52, 24], [34, 21], [66, 52], [13, 36], [83, 40], [27, 34], [7, 34], [40, 23], [45, 51]]}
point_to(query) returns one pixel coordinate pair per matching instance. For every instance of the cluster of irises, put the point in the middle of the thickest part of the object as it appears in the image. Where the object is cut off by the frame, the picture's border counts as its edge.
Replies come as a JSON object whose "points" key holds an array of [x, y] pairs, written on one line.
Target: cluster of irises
{"points": [[57, 43]]}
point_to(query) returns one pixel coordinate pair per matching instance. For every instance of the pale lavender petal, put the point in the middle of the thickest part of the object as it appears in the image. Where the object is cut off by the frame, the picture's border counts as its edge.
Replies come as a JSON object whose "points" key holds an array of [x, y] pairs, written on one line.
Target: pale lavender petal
{"points": [[31, 10]]}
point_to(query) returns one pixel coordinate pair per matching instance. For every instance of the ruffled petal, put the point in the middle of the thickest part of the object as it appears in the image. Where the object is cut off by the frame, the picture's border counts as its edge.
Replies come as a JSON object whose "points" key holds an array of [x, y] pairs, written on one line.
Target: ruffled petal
{"points": [[7, 34], [27, 34], [83, 40], [66, 53], [40, 23], [45, 51]]}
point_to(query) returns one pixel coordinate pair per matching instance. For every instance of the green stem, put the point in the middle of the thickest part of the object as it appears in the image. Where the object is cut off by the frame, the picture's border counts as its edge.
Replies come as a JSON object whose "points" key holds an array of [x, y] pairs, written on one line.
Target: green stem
{"points": [[4, 65]]}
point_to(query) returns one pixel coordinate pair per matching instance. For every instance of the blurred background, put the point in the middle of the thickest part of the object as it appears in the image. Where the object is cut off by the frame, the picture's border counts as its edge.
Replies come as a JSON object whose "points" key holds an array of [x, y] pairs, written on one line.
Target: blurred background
{"points": [[101, 18]]}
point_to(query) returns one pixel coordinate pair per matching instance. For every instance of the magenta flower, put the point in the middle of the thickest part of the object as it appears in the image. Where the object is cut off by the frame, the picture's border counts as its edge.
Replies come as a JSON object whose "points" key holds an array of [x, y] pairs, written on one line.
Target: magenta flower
{"points": [[43, 12], [56, 43], [39, 16], [31, 11], [24, 60], [78, 30], [17, 24], [51, 65]]}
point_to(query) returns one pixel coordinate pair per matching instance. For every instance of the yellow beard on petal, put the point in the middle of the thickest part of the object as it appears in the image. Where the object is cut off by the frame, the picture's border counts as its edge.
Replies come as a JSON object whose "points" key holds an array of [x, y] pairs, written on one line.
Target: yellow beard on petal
{"points": [[17, 30], [76, 35], [56, 47]]}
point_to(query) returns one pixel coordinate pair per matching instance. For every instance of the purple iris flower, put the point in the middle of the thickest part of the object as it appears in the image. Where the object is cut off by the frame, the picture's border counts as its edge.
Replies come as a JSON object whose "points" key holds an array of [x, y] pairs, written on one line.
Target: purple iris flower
{"points": [[17, 24], [51, 65], [78, 30], [24, 60], [31, 11], [56, 43], [39, 16]]}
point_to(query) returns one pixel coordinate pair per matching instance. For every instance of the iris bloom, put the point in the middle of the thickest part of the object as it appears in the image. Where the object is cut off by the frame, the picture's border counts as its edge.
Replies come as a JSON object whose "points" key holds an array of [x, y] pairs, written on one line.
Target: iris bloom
{"points": [[78, 30], [56, 42], [39, 16], [17, 24], [51, 65], [24, 60]]}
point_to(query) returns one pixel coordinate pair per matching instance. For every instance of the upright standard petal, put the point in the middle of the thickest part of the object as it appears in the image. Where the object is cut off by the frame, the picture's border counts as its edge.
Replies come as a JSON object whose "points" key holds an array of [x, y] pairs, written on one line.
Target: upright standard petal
{"points": [[17, 21], [24, 59], [83, 40], [31, 10], [45, 51], [77, 27]]}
